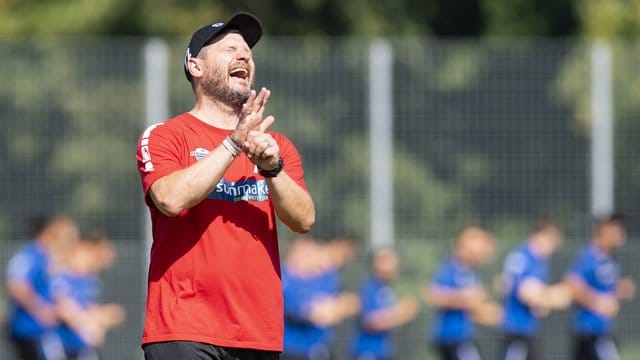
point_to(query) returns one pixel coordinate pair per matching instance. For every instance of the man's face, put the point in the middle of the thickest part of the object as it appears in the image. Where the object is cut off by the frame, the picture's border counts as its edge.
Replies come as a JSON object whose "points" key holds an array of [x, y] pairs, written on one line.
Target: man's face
{"points": [[475, 247], [483, 250], [60, 237], [64, 233], [385, 265], [228, 69], [552, 240], [620, 235], [612, 235]]}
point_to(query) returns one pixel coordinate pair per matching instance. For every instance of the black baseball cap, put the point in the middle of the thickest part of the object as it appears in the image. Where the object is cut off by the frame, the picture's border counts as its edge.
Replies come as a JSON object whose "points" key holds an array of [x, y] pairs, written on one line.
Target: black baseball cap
{"points": [[248, 26]]}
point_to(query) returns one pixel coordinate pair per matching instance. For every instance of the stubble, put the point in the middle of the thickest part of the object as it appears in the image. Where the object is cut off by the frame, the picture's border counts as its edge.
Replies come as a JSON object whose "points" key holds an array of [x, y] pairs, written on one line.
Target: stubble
{"points": [[215, 87]]}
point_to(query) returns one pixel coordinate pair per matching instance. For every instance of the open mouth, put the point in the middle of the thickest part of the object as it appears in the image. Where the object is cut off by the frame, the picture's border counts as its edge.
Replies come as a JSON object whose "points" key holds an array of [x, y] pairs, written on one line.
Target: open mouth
{"points": [[239, 73]]}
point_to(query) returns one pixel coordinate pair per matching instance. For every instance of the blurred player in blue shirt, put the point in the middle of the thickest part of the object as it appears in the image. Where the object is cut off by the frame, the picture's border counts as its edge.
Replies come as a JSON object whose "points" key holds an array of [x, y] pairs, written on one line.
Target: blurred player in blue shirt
{"points": [[31, 315], [456, 292], [597, 289], [527, 295], [313, 302], [382, 312], [76, 290]]}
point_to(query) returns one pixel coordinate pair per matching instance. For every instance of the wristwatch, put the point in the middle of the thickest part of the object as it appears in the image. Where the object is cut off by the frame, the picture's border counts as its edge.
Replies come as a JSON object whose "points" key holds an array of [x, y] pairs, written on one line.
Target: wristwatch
{"points": [[273, 172]]}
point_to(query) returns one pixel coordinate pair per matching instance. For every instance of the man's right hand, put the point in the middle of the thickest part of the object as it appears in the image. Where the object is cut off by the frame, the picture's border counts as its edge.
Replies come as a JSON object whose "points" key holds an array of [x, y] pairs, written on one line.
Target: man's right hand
{"points": [[251, 116], [605, 305], [473, 296], [625, 289], [407, 309], [46, 315]]}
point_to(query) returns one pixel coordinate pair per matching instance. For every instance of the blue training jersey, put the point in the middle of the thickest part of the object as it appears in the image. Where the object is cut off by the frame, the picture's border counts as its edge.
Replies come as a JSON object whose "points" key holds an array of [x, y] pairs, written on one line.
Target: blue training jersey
{"points": [[519, 265], [600, 272], [84, 289], [375, 295], [453, 325], [301, 336], [29, 265]]}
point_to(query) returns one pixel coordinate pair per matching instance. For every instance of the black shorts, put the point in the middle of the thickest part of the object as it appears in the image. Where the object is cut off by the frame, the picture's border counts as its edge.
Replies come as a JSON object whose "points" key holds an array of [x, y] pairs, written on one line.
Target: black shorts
{"points": [[85, 354], [369, 356], [595, 347], [293, 357], [317, 352], [463, 350], [26, 349], [187, 350], [518, 347], [45, 347]]}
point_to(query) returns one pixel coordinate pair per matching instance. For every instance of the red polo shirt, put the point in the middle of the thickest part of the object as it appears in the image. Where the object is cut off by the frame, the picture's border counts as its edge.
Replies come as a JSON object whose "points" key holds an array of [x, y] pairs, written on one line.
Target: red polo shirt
{"points": [[214, 273]]}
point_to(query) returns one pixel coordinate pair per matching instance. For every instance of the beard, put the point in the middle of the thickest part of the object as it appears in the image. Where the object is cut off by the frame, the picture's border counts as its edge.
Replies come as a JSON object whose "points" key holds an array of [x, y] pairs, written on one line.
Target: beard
{"points": [[214, 86]]}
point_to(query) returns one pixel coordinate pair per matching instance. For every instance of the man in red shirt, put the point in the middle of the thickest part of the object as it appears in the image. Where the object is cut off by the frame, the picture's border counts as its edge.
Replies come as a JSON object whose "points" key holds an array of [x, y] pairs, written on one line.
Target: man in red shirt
{"points": [[214, 180]]}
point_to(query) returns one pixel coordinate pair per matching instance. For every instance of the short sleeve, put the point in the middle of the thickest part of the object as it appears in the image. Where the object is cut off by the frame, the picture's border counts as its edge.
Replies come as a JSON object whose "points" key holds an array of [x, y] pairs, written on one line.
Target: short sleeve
{"points": [[516, 264], [20, 266], [443, 277], [580, 266], [157, 155], [60, 286], [375, 298], [291, 159], [517, 267], [368, 299], [295, 306]]}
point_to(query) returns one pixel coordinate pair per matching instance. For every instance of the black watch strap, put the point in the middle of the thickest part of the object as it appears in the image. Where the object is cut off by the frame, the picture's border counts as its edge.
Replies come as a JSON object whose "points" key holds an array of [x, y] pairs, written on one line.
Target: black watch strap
{"points": [[273, 172]]}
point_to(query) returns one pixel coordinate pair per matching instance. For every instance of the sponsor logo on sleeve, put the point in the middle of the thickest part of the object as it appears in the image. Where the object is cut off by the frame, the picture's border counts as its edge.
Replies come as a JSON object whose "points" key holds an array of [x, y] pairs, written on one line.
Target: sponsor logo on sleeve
{"points": [[607, 273], [144, 148], [199, 153]]}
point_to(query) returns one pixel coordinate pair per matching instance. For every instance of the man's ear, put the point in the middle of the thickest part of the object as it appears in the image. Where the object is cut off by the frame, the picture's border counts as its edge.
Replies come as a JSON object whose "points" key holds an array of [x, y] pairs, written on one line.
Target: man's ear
{"points": [[195, 67]]}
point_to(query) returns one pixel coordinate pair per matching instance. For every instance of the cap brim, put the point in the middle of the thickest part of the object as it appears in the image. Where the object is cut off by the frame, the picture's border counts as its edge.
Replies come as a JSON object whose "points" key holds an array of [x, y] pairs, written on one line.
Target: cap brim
{"points": [[248, 25]]}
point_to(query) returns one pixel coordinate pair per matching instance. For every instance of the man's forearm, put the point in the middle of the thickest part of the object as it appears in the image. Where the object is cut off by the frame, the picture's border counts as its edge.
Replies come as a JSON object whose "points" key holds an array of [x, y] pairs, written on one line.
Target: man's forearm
{"points": [[185, 188], [448, 298], [24, 295], [532, 292], [605, 304], [580, 293], [292, 203], [386, 319]]}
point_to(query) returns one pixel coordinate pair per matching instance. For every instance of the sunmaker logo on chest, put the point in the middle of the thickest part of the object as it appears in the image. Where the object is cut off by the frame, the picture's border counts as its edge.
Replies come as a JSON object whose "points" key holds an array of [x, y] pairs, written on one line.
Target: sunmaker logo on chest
{"points": [[249, 189], [245, 190]]}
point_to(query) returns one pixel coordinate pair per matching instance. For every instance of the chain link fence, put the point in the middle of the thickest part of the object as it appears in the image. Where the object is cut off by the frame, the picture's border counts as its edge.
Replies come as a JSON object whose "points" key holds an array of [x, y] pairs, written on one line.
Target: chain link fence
{"points": [[485, 132]]}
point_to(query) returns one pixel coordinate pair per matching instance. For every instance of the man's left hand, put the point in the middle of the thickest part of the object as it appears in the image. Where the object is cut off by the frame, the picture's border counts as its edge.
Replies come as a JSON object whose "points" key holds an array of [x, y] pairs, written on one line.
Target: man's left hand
{"points": [[262, 150]]}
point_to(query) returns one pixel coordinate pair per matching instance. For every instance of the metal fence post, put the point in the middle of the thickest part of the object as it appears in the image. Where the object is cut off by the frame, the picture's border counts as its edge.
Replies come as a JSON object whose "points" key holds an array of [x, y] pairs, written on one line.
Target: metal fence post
{"points": [[381, 144], [156, 82], [602, 160]]}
